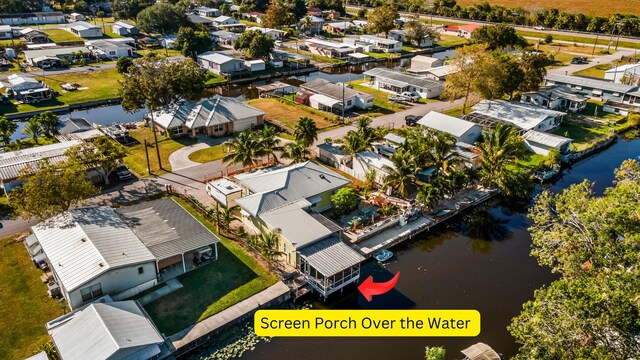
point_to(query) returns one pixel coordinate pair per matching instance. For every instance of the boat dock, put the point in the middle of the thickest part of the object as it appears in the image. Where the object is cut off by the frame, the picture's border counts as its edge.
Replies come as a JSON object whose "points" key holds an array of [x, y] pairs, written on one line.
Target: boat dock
{"points": [[398, 234]]}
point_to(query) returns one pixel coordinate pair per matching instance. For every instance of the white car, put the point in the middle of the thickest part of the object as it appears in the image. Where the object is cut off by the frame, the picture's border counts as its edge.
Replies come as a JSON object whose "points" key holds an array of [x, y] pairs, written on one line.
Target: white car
{"points": [[539, 28], [411, 96], [278, 43]]}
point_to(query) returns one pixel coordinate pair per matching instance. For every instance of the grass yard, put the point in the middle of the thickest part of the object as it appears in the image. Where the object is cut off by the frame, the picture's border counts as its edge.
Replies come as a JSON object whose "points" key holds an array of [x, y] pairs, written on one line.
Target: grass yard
{"points": [[210, 289], [137, 161], [567, 48], [533, 162], [592, 7], [26, 306], [456, 111], [318, 58], [451, 41], [383, 55], [159, 52], [61, 35], [287, 114], [594, 71], [581, 40], [381, 101], [580, 133], [209, 154], [214, 79]]}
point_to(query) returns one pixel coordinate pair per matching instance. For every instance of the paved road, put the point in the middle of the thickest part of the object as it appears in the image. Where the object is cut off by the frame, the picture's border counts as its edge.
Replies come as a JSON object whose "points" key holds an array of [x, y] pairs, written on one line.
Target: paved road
{"points": [[602, 59]]}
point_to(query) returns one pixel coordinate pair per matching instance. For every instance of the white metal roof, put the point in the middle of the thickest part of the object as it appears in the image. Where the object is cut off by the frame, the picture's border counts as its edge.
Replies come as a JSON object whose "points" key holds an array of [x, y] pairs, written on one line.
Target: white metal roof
{"points": [[206, 112], [223, 18], [445, 123], [82, 244], [622, 68], [225, 186], [544, 138], [123, 24], [218, 58], [358, 55], [324, 100], [377, 161], [12, 163], [296, 225], [524, 116], [330, 256], [395, 138], [101, 330], [589, 83], [402, 79]]}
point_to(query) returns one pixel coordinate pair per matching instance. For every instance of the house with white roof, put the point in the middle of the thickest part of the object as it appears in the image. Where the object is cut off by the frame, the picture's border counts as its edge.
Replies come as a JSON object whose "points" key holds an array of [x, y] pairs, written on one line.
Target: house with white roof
{"points": [[124, 28], [224, 20], [108, 49], [396, 82], [330, 48], [626, 74], [316, 25], [401, 36], [84, 29], [464, 131], [33, 18], [6, 32], [382, 44], [331, 97], [221, 64], [206, 11], [223, 37], [420, 63], [591, 87], [274, 33], [27, 89], [338, 27], [556, 97], [525, 117], [366, 161], [542, 142], [216, 116], [289, 200], [107, 330]]}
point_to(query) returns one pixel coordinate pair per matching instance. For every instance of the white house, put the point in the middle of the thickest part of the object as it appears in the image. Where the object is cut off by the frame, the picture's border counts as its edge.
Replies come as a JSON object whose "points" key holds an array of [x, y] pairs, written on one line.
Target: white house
{"points": [[556, 97], [525, 117], [34, 18], [221, 64], [6, 32], [27, 89], [109, 49], [315, 27], [421, 63], [332, 96], [397, 82], [274, 33], [382, 44], [542, 142], [626, 74], [255, 65], [330, 48], [366, 161], [224, 20], [400, 35], [84, 29], [591, 87], [67, 53], [73, 17], [224, 191], [123, 28], [104, 330], [464, 131], [207, 11]]}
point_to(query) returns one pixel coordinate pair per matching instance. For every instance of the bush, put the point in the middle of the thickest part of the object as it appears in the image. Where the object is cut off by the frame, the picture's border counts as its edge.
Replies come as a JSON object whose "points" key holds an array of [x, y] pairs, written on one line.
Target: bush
{"points": [[548, 39], [434, 353], [344, 201], [362, 13]]}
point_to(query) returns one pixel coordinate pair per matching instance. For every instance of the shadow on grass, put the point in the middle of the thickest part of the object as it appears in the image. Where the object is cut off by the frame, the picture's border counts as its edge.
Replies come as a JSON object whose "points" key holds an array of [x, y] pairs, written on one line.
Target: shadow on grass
{"points": [[202, 288]]}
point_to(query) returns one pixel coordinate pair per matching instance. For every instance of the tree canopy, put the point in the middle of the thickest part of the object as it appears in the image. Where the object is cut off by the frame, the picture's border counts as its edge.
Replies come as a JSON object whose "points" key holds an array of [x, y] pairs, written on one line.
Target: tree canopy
{"points": [[103, 155], [344, 200], [498, 36], [129, 9], [592, 311], [417, 31], [7, 128], [278, 14], [381, 19], [21, 6], [192, 42], [161, 19], [255, 44]]}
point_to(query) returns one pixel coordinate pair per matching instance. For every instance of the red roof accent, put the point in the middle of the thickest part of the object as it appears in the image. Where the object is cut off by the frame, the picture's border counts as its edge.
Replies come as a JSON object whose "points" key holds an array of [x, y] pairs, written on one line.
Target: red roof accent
{"points": [[452, 27], [470, 27]]}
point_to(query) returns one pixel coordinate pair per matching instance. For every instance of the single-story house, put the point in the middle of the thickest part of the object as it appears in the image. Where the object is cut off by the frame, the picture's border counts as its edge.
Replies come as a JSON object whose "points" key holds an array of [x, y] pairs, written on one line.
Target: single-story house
{"points": [[316, 25], [336, 95], [107, 329], [14, 163], [330, 154], [221, 64], [626, 74], [366, 161], [109, 49], [224, 20], [84, 29], [27, 89], [224, 191], [77, 129], [47, 62], [34, 36], [168, 41], [542, 142], [330, 48], [34, 18], [224, 37], [66, 53], [274, 33], [123, 28], [200, 20], [338, 27], [525, 117], [382, 44], [397, 82], [216, 116], [400, 35], [439, 73], [358, 58], [73, 17], [206, 11], [148, 42], [6, 32], [556, 97], [464, 131], [253, 16], [466, 30], [591, 87], [236, 28], [255, 65], [289, 200], [420, 63]]}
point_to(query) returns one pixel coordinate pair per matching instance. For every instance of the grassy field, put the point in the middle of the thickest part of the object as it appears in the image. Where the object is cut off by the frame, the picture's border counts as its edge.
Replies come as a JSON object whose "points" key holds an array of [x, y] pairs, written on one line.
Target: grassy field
{"points": [[210, 289], [580, 133], [287, 114], [567, 48], [214, 79], [581, 40], [592, 7], [209, 154], [61, 35], [319, 58], [159, 52], [26, 307], [456, 111], [594, 71], [451, 40], [136, 160]]}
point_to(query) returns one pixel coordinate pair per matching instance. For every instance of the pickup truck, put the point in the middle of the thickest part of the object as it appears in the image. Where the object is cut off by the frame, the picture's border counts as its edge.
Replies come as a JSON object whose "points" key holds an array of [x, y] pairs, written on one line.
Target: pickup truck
{"points": [[411, 120]]}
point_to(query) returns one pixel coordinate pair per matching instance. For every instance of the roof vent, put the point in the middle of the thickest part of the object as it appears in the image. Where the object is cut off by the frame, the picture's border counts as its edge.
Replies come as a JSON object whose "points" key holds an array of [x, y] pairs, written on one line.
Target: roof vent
{"points": [[101, 264], [83, 240], [60, 264], [322, 176], [123, 253]]}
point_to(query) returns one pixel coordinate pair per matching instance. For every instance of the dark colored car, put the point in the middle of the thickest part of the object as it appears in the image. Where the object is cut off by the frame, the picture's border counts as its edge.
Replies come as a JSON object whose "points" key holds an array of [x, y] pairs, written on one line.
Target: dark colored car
{"points": [[123, 173], [303, 47], [411, 120]]}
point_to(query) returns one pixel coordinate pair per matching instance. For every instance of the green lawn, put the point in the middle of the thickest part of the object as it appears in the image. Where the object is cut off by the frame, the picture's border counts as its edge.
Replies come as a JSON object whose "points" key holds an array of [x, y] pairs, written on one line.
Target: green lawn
{"points": [[594, 71], [451, 40], [214, 79], [381, 99], [61, 35], [287, 114], [136, 160], [319, 58], [209, 154], [26, 306], [456, 111], [532, 162], [580, 133], [581, 40], [159, 52], [383, 55], [210, 289]]}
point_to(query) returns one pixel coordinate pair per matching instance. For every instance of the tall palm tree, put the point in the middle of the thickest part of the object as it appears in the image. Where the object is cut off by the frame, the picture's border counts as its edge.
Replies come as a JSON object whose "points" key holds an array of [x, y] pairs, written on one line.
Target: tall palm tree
{"points": [[305, 131], [365, 130], [441, 155], [353, 143], [226, 216], [498, 150], [49, 123], [295, 151], [244, 149], [403, 173], [429, 195], [267, 242], [7, 128], [33, 129], [306, 24], [268, 142]]}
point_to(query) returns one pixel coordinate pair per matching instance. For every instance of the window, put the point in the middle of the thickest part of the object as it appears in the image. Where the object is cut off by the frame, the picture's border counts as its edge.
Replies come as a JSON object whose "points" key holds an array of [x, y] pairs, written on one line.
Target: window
{"points": [[91, 292], [218, 127], [177, 131], [112, 53], [285, 248], [141, 270], [349, 103]]}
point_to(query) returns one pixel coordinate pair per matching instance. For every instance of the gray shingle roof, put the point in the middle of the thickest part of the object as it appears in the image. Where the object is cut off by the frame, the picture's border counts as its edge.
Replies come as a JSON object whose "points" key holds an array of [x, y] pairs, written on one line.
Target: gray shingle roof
{"points": [[165, 228], [417, 81], [330, 256], [589, 83], [296, 225], [207, 112]]}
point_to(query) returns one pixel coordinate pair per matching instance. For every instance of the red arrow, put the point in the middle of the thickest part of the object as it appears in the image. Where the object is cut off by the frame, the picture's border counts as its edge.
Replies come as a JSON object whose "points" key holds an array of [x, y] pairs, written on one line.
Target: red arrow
{"points": [[368, 288]]}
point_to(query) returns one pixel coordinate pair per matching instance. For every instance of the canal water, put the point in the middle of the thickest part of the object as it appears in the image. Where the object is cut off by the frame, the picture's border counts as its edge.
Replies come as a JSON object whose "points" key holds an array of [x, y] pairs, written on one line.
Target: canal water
{"points": [[481, 262]]}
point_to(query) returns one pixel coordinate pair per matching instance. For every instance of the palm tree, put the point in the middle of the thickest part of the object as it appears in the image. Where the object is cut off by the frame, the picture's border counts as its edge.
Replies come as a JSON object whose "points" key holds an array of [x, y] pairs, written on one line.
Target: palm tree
{"points": [[243, 149], [306, 24], [267, 241], [429, 195], [295, 151], [226, 216], [403, 173], [498, 150], [268, 142], [366, 131], [49, 123], [353, 143], [33, 129], [305, 131], [441, 156], [7, 128]]}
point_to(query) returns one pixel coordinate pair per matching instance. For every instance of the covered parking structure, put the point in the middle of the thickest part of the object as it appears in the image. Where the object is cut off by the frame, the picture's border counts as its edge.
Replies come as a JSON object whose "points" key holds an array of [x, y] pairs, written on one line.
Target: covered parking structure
{"points": [[329, 265]]}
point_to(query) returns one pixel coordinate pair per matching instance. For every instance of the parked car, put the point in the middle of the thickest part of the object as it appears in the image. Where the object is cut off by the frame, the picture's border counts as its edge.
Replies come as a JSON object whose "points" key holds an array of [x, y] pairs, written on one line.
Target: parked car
{"points": [[123, 173], [539, 28], [411, 120], [303, 47], [278, 43], [579, 60], [411, 96]]}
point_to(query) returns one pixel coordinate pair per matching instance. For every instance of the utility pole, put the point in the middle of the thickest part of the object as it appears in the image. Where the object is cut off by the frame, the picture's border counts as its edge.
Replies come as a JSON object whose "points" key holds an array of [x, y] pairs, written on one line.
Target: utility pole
{"points": [[594, 45], [146, 151], [343, 101], [619, 32], [155, 138]]}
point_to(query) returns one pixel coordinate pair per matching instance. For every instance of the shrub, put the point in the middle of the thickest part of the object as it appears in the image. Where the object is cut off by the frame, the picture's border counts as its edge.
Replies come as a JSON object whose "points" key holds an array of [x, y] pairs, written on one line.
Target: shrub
{"points": [[344, 201], [548, 39]]}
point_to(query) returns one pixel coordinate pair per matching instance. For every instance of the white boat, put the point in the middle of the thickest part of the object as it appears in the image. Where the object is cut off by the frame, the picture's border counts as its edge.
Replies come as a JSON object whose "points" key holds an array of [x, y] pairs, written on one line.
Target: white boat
{"points": [[383, 255]]}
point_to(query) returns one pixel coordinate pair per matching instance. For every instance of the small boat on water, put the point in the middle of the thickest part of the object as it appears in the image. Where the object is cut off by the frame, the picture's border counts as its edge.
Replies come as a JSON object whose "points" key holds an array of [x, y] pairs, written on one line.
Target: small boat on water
{"points": [[383, 255]]}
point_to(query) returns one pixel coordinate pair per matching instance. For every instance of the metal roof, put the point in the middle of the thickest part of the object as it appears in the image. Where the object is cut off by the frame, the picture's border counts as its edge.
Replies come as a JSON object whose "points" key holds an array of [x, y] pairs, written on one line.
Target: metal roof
{"points": [[296, 225], [378, 40], [125, 25], [82, 25], [554, 92], [404, 79], [395, 138], [82, 244], [480, 351], [57, 51], [14, 162], [324, 100], [218, 58], [589, 83], [282, 187], [225, 186], [101, 330], [165, 228], [206, 112], [547, 139], [107, 44], [372, 159], [71, 125], [445, 123], [333, 148], [330, 256], [327, 88], [199, 19], [524, 116]]}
